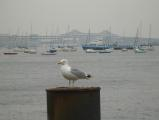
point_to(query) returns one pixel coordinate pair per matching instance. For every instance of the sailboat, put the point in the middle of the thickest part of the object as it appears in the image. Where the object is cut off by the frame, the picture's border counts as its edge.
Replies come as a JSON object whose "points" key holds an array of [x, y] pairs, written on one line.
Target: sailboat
{"points": [[137, 47], [107, 48], [10, 51], [90, 47], [30, 50], [51, 50], [90, 51], [150, 46]]}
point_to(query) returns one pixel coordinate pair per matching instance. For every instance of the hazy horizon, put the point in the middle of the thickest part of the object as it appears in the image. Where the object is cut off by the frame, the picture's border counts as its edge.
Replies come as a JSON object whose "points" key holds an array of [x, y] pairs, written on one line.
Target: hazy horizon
{"points": [[54, 16]]}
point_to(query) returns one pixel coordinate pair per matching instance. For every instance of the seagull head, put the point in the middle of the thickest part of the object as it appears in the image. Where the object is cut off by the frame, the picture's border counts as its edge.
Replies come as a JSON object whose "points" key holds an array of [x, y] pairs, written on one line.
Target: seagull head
{"points": [[63, 62]]}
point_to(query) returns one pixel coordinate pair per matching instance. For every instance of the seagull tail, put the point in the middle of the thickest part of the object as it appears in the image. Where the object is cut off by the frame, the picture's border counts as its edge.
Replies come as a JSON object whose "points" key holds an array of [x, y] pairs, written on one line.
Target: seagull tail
{"points": [[88, 76]]}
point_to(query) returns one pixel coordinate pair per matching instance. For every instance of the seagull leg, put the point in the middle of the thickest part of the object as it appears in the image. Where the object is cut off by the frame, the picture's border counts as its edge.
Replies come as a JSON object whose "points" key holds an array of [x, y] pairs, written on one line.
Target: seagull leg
{"points": [[69, 83], [73, 83]]}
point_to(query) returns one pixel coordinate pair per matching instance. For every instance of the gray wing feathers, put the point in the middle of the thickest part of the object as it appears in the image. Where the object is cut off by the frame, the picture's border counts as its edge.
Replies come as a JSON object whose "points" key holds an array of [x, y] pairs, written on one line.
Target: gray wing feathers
{"points": [[78, 73]]}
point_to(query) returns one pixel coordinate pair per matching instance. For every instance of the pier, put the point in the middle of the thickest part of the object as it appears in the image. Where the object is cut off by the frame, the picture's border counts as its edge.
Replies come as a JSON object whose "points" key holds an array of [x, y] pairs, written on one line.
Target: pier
{"points": [[75, 103]]}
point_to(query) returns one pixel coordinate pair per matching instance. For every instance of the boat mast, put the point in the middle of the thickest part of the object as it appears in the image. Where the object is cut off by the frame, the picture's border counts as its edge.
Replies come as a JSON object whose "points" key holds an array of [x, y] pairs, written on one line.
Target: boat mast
{"points": [[136, 39], [89, 35], [149, 40], [110, 36]]}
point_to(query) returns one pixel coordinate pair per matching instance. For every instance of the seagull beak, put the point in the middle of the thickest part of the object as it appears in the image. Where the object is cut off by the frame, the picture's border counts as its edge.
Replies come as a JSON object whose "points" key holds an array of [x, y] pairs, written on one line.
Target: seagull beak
{"points": [[59, 62]]}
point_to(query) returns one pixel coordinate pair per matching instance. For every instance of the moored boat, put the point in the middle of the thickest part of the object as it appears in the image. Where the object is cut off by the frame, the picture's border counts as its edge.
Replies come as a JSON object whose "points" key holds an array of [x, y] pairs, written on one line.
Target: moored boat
{"points": [[48, 53], [105, 51], [90, 51], [139, 50], [10, 53]]}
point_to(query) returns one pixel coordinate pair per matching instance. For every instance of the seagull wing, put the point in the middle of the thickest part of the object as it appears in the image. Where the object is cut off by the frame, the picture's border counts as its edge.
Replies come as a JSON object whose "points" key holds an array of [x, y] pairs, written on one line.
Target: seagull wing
{"points": [[78, 73]]}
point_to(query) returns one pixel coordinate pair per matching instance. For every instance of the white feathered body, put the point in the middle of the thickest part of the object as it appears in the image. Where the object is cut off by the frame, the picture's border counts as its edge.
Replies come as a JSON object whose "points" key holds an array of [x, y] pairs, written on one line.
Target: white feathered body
{"points": [[66, 72]]}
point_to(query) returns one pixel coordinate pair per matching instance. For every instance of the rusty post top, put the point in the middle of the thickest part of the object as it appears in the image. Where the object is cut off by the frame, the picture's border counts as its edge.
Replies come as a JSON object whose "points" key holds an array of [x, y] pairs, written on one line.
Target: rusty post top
{"points": [[64, 89]]}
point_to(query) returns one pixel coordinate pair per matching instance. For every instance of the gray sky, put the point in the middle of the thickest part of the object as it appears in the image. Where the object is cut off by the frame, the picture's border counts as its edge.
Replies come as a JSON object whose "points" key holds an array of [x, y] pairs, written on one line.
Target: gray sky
{"points": [[52, 16]]}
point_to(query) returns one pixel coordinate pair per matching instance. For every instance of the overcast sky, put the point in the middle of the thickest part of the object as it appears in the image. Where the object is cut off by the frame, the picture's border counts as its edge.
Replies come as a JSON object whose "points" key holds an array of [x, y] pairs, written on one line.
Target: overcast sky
{"points": [[54, 16]]}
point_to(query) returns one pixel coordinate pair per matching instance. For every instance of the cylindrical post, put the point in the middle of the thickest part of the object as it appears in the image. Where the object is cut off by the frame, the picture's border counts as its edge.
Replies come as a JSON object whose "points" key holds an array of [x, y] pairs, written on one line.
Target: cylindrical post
{"points": [[76, 103]]}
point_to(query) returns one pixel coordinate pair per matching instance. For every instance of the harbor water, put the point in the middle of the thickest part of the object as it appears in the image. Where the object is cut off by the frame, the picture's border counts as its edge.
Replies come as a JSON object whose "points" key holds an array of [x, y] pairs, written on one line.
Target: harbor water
{"points": [[129, 83]]}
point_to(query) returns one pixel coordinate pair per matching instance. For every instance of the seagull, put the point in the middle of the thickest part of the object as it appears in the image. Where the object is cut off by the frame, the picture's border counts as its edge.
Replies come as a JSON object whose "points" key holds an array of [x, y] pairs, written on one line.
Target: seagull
{"points": [[72, 74]]}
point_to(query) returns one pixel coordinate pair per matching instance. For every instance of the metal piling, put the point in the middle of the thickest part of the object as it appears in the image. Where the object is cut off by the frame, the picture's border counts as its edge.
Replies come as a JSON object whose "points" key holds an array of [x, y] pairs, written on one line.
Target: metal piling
{"points": [[73, 103]]}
